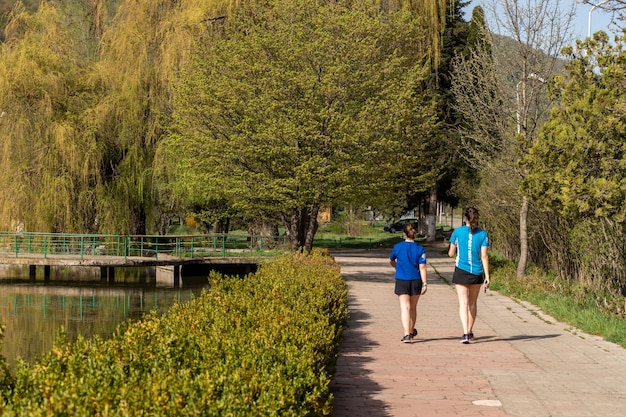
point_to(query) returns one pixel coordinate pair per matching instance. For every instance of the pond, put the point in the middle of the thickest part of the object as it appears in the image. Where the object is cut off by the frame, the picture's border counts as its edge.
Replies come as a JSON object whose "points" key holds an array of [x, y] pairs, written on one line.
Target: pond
{"points": [[34, 312]]}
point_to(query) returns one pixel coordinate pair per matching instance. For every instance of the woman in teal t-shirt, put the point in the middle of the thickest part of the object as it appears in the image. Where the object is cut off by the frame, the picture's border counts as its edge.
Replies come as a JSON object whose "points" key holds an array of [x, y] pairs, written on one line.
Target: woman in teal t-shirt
{"points": [[470, 244]]}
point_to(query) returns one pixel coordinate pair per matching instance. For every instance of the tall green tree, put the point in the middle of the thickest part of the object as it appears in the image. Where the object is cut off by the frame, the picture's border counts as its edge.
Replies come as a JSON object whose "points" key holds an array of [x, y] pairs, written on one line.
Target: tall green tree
{"points": [[446, 143], [477, 36], [577, 167], [141, 53], [299, 105], [134, 68]]}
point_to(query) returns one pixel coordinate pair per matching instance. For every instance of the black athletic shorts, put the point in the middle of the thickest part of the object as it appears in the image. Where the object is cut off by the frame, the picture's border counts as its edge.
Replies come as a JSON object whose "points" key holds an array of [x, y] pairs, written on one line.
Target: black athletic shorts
{"points": [[463, 277], [410, 287]]}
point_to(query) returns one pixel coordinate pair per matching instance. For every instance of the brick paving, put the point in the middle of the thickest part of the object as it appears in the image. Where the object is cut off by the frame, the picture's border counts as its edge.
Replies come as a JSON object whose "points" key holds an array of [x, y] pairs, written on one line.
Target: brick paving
{"points": [[521, 363]]}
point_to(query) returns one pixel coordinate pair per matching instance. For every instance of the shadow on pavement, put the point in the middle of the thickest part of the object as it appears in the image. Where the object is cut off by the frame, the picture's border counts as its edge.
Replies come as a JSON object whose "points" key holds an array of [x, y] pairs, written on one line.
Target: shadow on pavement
{"points": [[489, 339], [528, 337], [352, 371]]}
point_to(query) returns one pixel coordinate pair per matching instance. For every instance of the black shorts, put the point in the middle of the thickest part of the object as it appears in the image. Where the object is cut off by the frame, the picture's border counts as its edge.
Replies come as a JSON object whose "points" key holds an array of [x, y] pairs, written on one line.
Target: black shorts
{"points": [[410, 287], [463, 277]]}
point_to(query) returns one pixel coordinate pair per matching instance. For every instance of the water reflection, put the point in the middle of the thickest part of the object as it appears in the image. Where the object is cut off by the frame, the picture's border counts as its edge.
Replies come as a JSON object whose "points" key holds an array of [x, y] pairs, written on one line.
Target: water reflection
{"points": [[34, 312]]}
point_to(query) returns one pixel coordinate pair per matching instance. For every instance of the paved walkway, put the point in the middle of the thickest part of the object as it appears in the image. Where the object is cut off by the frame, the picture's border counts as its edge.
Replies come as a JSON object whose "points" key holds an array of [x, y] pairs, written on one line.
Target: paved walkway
{"points": [[521, 362]]}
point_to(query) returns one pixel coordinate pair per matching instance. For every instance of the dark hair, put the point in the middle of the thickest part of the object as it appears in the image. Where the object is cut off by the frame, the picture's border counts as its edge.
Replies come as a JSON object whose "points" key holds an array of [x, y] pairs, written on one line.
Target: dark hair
{"points": [[471, 214], [409, 231]]}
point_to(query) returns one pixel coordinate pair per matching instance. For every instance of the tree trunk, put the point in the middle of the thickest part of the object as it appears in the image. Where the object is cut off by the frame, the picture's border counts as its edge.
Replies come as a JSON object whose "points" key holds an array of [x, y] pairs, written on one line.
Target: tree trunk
{"points": [[311, 228], [138, 222], [431, 218], [290, 222], [523, 239], [300, 227], [222, 226], [302, 222]]}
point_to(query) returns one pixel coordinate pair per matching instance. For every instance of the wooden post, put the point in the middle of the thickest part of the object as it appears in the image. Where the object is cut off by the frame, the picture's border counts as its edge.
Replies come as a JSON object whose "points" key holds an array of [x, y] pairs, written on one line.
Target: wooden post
{"points": [[177, 269]]}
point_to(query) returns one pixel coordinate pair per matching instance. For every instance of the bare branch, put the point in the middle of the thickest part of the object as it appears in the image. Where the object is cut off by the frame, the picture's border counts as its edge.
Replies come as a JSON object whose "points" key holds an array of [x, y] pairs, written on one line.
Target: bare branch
{"points": [[608, 5]]}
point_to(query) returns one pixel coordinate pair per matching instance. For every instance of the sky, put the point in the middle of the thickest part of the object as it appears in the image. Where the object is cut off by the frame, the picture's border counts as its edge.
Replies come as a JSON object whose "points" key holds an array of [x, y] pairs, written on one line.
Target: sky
{"points": [[599, 20]]}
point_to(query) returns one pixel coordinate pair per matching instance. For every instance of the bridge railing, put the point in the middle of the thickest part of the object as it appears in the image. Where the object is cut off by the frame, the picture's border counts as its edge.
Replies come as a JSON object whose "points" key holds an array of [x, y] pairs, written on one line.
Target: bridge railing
{"points": [[181, 246]]}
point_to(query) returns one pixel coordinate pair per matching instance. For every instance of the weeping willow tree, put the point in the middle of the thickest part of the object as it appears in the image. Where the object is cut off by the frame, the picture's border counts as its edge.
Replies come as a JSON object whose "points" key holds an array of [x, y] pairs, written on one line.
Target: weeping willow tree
{"points": [[49, 167], [433, 13], [85, 96], [141, 51]]}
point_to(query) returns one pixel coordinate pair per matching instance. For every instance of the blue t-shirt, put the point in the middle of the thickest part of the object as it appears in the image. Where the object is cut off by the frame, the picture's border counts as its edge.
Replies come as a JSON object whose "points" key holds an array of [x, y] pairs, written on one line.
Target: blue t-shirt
{"points": [[468, 246], [408, 256]]}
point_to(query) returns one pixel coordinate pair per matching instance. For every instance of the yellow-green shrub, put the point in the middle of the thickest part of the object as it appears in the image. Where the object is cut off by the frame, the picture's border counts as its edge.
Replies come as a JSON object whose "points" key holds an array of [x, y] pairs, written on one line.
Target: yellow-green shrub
{"points": [[262, 345]]}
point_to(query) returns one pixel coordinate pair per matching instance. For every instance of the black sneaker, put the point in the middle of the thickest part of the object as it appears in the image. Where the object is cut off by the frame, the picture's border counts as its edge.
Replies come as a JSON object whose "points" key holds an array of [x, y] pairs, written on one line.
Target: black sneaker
{"points": [[414, 333], [470, 335], [465, 340], [407, 339]]}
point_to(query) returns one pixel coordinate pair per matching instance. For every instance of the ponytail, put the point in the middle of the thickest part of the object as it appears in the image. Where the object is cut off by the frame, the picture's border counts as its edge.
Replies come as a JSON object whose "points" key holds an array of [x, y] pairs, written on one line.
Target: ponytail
{"points": [[471, 214], [409, 231]]}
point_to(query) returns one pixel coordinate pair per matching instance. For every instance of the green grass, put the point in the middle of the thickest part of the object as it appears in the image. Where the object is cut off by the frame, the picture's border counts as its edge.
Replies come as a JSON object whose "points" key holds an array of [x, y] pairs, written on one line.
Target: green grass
{"points": [[585, 317], [333, 241], [370, 236], [592, 312], [365, 236]]}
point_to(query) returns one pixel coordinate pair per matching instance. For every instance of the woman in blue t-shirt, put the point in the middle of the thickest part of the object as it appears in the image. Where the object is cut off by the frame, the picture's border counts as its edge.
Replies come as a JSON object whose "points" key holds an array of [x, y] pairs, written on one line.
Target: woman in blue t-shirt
{"points": [[470, 244], [409, 259]]}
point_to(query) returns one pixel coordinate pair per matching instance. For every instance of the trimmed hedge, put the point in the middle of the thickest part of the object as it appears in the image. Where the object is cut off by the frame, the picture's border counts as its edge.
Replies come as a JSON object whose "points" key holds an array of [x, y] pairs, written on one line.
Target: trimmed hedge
{"points": [[261, 346]]}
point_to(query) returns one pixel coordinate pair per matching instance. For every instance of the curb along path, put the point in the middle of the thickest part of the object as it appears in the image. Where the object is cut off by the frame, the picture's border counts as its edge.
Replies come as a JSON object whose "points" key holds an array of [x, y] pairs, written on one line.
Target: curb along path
{"points": [[521, 363]]}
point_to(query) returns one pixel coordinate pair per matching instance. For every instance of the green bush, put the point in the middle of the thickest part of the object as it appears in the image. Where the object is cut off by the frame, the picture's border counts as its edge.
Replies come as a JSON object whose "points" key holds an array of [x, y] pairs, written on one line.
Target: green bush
{"points": [[262, 345], [5, 376]]}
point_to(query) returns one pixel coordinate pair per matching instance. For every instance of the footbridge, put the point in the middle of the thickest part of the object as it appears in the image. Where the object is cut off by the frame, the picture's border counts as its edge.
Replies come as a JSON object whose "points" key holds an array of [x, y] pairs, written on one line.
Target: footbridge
{"points": [[167, 253]]}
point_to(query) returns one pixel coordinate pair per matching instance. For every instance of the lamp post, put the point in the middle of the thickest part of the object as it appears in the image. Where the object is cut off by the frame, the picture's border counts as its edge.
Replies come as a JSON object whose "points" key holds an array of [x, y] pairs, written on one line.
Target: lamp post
{"points": [[593, 7]]}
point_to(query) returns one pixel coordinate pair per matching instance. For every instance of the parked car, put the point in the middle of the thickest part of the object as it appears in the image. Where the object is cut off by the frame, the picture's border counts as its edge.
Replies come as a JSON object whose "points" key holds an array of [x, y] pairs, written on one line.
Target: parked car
{"points": [[397, 226]]}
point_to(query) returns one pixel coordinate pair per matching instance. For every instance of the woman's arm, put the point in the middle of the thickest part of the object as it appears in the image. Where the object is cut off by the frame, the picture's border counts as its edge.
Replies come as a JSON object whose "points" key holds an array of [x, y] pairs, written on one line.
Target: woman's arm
{"points": [[484, 258], [452, 250]]}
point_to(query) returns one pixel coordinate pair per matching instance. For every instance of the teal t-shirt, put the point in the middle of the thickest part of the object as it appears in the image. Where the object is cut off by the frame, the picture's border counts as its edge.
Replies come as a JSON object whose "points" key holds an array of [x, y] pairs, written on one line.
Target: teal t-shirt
{"points": [[468, 246]]}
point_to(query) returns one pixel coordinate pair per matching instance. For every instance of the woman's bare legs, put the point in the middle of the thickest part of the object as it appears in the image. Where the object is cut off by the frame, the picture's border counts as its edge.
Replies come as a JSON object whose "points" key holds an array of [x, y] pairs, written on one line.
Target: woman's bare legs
{"points": [[468, 306], [474, 290], [408, 311], [462, 292]]}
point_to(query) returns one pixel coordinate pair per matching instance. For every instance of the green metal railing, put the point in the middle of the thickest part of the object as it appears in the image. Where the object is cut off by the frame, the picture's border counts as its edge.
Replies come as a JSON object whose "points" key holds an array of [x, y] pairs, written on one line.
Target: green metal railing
{"points": [[181, 246]]}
